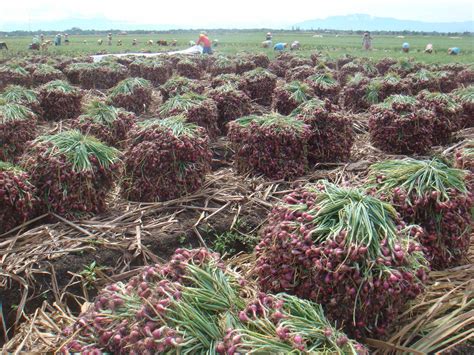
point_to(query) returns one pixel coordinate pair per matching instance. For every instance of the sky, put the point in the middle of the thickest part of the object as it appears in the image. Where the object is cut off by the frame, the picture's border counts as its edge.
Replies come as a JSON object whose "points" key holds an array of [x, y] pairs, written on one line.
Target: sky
{"points": [[229, 13]]}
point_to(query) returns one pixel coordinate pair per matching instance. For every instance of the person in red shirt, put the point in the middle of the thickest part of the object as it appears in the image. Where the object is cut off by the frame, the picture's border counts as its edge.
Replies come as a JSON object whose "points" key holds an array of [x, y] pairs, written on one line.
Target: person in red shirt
{"points": [[205, 42]]}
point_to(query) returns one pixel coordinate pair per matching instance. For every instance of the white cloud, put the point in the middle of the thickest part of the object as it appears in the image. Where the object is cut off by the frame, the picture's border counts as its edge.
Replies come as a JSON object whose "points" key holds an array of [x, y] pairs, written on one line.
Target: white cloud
{"points": [[238, 13]]}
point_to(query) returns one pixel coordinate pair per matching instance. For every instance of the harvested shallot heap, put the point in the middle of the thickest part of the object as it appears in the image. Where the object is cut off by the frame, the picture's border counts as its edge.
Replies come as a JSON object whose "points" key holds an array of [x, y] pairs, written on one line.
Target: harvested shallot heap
{"points": [[194, 304], [346, 250]]}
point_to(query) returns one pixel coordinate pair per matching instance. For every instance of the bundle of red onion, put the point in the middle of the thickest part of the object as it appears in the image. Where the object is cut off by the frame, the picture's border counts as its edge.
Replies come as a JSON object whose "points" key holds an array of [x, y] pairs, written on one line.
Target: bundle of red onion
{"points": [[324, 85], [446, 115], [353, 94], [225, 79], [259, 85], [132, 94], [349, 70], [102, 75], [299, 73], [178, 85], [287, 97], [422, 80], [72, 172], [231, 104], [196, 305], [223, 65], [464, 157], [59, 100], [465, 98], [108, 123], [384, 65], [74, 70], [17, 126], [448, 80], [17, 197], [405, 66], [346, 250], [278, 67], [45, 73], [198, 109], [246, 63], [295, 61], [332, 135], [380, 88], [343, 60], [189, 69], [466, 76], [20, 95], [260, 59], [156, 71], [165, 160], [400, 126], [13, 74], [434, 196], [273, 145]]}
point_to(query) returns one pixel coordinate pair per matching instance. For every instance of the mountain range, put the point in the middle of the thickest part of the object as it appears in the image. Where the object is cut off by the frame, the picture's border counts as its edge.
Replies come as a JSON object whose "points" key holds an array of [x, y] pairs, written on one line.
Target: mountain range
{"points": [[371, 23], [347, 22]]}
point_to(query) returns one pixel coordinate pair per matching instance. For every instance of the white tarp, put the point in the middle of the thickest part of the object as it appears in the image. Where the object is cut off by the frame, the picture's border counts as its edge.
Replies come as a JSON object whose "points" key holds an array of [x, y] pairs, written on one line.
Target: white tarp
{"points": [[191, 50]]}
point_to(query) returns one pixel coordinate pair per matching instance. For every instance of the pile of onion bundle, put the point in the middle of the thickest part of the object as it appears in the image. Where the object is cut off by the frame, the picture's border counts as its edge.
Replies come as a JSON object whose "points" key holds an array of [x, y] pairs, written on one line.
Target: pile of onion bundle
{"points": [[231, 104], [278, 67], [17, 126], [353, 95], [348, 70], [225, 79], [332, 134], [15, 75], [343, 60], [288, 97], [132, 94], [324, 85], [166, 159], [17, 197], [46, 73], [246, 63], [316, 58], [273, 145], [400, 126], [196, 305], [189, 69], [259, 85], [299, 73], [465, 98], [404, 66], [74, 70], [107, 123], [102, 75], [72, 172], [223, 65], [59, 100], [156, 71], [20, 95], [260, 59], [448, 80], [178, 85], [434, 196], [447, 115], [198, 109], [380, 88], [384, 65], [423, 79], [346, 250], [297, 61], [466, 76]]}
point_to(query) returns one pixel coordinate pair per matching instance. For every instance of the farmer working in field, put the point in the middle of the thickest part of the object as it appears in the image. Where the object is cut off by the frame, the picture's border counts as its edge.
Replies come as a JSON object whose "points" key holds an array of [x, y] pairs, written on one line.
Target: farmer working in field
{"points": [[406, 47], [454, 51], [429, 48], [367, 41], [205, 42], [280, 46], [268, 37]]}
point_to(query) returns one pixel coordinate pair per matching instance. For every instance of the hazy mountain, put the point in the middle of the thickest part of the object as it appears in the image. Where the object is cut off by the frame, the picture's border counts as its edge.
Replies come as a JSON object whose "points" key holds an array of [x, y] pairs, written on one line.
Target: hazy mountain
{"points": [[372, 23]]}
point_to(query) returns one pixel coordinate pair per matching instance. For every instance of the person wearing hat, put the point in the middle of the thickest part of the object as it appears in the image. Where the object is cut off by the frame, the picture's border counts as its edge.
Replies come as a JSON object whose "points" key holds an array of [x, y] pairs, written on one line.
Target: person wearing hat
{"points": [[367, 41], [269, 36], [280, 46], [454, 51], [406, 47], [205, 42]]}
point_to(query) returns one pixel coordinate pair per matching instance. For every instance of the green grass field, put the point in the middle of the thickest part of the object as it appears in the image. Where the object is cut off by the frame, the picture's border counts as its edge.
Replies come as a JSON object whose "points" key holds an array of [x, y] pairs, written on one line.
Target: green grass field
{"points": [[235, 42]]}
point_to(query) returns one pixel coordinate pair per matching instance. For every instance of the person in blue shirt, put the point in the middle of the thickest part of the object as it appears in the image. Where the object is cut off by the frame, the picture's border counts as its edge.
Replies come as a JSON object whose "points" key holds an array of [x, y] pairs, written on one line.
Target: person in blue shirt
{"points": [[280, 46], [454, 51], [406, 47]]}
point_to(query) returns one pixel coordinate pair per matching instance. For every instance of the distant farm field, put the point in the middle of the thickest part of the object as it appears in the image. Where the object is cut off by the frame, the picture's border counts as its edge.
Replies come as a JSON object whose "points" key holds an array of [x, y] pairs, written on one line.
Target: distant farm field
{"points": [[235, 42]]}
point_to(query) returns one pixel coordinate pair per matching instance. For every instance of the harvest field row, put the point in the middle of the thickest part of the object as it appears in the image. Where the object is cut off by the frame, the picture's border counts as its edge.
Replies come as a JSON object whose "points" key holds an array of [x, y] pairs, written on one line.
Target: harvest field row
{"points": [[240, 203], [231, 43]]}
